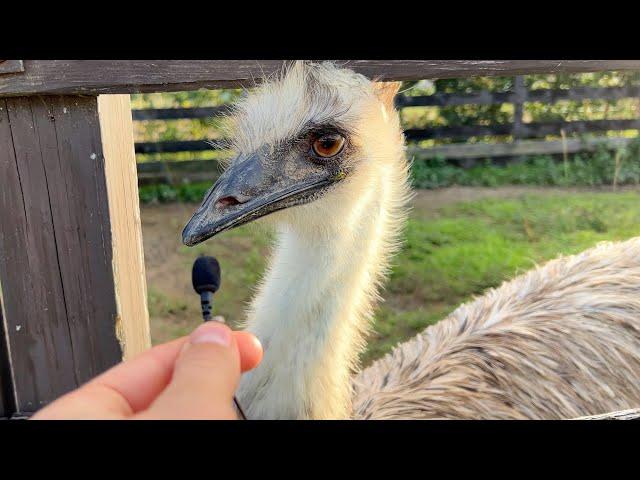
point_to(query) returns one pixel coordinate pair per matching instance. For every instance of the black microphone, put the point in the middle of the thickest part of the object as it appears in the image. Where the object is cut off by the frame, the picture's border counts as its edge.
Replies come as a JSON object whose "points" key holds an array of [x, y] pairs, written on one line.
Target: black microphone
{"points": [[206, 278]]}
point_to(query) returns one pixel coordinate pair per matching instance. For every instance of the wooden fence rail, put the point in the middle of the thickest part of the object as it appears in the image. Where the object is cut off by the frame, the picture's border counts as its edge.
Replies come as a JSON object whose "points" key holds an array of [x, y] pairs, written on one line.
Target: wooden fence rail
{"points": [[438, 99], [457, 153]]}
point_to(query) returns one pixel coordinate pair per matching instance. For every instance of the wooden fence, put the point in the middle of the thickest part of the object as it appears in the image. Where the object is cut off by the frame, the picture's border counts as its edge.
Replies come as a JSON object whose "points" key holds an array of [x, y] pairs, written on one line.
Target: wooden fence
{"points": [[72, 283], [464, 154]]}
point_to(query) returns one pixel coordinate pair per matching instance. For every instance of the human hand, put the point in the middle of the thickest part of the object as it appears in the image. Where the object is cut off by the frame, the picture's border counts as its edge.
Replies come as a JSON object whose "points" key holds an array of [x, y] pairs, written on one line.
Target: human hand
{"points": [[192, 377]]}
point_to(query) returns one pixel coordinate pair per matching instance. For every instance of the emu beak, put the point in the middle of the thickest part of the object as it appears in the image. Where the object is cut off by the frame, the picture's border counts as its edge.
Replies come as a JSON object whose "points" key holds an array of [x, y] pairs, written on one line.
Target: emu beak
{"points": [[252, 187]]}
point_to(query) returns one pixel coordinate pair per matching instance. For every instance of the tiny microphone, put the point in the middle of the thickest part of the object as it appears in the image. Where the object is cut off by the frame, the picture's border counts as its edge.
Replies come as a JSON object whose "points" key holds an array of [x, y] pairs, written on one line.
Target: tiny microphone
{"points": [[206, 277]]}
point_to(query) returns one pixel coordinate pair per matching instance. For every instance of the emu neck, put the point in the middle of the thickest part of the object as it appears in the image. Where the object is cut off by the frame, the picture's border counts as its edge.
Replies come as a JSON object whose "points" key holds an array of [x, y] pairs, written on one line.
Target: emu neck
{"points": [[313, 309]]}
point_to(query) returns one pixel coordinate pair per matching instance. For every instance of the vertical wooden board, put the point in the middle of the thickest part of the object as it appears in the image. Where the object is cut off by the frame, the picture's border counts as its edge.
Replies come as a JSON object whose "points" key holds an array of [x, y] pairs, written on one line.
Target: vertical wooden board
{"points": [[32, 292], [55, 247], [126, 230], [79, 205], [520, 94], [7, 407]]}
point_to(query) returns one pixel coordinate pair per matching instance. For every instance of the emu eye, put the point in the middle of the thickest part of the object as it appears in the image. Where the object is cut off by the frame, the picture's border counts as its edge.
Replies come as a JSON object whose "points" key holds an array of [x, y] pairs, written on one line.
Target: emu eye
{"points": [[328, 145]]}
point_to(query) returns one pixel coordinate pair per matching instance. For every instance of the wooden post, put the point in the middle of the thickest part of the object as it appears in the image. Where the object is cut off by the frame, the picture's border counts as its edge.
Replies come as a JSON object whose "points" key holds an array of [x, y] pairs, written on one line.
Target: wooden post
{"points": [[71, 291], [519, 96], [520, 93], [132, 323]]}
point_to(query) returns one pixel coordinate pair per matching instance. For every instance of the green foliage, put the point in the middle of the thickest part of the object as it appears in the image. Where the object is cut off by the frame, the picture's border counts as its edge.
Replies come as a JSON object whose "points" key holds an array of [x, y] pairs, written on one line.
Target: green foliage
{"points": [[162, 193], [583, 169]]}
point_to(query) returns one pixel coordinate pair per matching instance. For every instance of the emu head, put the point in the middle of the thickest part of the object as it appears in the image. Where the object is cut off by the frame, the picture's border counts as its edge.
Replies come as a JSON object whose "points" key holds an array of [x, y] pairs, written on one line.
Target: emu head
{"points": [[299, 140]]}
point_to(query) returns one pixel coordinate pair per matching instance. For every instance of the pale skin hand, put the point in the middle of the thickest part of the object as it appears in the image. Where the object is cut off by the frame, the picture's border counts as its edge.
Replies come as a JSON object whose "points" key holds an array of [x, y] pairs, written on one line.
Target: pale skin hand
{"points": [[192, 377]]}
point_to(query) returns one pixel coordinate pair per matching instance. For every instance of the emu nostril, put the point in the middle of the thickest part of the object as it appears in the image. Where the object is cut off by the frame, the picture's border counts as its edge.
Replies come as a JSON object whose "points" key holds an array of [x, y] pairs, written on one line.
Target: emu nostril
{"points": [[227, 202]]}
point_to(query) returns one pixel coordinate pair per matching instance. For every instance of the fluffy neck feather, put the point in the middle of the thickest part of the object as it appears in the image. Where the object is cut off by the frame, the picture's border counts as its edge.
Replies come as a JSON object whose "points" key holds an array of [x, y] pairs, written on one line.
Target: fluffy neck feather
{"points": [[314, 306]]}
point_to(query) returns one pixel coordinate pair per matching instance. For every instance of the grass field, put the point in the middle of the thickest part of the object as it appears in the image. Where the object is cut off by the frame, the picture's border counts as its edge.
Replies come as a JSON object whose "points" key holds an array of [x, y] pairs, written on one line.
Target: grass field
{"points": [[459, 242]]}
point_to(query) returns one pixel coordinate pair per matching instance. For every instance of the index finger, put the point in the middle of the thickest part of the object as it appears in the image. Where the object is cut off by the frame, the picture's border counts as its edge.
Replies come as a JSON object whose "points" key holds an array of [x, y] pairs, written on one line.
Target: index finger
{"points": [[140, 380]]}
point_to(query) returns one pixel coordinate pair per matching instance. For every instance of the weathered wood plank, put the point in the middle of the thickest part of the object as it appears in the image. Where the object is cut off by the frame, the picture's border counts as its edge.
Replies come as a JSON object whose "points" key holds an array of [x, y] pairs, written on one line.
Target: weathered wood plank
{"points": [[132, 322], [131, 76], [548, 95], [483, 97], [11, 66], [29, 272], [522, 147], [542, 95], [527, 130], [177, 113], [519, 95], [55, 247], [179, 146], [7, 407]]}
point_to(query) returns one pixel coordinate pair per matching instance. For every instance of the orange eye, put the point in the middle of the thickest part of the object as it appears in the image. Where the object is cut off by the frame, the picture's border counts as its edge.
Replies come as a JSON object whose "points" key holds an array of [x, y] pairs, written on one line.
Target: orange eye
{"points": [[328, 145]]}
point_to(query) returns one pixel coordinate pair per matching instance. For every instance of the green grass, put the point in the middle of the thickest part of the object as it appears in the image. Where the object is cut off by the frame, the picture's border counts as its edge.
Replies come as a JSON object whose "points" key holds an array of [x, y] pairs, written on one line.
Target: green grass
{"points": [[584, 169]]}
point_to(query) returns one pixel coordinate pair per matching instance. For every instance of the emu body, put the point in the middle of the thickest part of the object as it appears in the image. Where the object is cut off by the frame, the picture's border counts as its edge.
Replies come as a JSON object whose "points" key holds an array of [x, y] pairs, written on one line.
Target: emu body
{"points": [[560, 341]]}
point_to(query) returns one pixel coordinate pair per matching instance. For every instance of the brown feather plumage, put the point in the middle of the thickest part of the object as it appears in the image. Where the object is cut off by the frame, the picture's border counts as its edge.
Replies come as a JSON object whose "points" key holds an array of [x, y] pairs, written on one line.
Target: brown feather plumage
{"points": [[560, 341]]}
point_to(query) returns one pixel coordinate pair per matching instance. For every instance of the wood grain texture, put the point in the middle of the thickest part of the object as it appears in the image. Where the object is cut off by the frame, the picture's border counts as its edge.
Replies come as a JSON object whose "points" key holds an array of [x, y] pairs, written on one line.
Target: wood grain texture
{"points": [[55, 247], [11, 66], [523, 147], [519, 96], [178, 113], [527, 130], [438, 99], [82, 77], [126, 230], [7, 407]]}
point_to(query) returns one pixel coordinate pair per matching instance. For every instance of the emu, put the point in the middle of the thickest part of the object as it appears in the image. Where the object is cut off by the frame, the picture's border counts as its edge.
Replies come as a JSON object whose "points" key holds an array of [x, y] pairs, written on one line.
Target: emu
{"points": [[321, 152]]}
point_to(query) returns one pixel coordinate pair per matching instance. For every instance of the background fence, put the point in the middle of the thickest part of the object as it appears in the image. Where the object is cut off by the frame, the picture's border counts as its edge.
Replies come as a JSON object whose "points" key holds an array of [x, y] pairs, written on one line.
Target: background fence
{"points": [[523, 139]]}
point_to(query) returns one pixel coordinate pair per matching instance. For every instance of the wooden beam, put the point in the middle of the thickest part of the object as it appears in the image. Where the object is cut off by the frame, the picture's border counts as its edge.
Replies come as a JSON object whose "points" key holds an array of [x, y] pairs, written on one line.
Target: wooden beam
{"points": [[116, 126], [83, 77], [61, 257], [523, 147], [178, 113], [173, 146], [527, 130], [438, 99], [486, 97]]}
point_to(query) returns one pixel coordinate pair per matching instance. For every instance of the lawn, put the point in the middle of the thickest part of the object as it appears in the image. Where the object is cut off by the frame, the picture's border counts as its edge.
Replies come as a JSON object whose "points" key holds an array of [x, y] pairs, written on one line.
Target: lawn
{"points": [[453, 251]]}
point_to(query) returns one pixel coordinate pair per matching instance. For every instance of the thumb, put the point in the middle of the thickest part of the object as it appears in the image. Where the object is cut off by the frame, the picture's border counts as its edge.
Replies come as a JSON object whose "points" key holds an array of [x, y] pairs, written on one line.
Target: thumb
{"points": [[205, 377]]}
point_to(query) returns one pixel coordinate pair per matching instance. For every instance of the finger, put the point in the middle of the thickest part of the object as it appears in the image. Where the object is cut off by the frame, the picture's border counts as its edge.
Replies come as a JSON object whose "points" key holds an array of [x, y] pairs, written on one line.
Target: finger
{"points": [[121, 390], [250, 350], [143, 378], [132, 386], [205, 377], [140, 380]]}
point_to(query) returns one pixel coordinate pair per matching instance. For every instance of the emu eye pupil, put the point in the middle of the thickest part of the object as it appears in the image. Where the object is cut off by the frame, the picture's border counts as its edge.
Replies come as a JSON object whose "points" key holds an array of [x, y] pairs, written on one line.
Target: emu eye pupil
{"points": [[328, 145]]}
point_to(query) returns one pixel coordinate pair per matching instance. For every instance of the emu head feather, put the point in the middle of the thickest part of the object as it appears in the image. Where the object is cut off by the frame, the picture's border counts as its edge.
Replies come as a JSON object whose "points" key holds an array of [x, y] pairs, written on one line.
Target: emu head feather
{"points": [[296, 138]]}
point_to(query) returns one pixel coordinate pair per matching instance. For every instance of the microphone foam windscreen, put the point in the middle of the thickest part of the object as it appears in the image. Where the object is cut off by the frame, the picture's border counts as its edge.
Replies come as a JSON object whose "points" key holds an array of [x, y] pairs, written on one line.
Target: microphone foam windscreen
{"points": [[206, 275]]}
